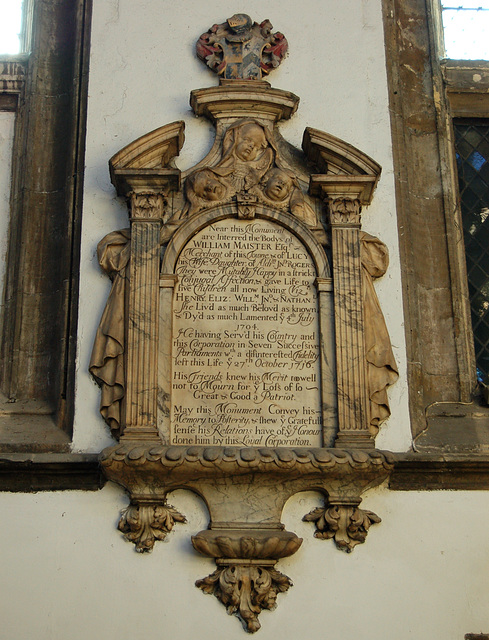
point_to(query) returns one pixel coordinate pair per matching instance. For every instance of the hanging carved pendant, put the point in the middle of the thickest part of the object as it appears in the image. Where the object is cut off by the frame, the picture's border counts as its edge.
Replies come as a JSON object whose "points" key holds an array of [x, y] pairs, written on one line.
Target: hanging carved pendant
{"points": [[144, 524], [348, 525], [246, 589]]}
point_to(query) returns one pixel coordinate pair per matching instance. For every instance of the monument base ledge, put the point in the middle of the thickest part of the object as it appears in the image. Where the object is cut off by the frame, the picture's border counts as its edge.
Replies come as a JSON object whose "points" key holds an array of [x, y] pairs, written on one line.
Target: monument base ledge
{"points": [[245, 490]]}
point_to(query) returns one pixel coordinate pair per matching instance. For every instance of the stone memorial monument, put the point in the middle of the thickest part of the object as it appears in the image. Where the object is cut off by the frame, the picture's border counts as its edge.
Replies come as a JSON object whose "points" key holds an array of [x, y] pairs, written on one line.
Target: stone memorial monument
{"points": [[242, 353]]}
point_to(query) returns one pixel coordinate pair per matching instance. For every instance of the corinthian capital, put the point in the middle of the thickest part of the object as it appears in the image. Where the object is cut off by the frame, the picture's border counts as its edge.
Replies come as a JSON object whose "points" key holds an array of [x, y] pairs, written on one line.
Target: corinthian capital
{"points": [[147, 205], [344, 211]]}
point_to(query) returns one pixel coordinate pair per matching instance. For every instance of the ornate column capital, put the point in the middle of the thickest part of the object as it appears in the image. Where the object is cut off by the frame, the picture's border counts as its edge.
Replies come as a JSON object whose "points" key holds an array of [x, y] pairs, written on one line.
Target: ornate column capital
{"points": [[147, 205], [344, 211]]}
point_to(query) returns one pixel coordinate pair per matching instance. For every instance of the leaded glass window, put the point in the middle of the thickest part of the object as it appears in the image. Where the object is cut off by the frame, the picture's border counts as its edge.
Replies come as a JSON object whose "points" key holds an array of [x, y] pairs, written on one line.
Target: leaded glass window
{"points": [[472, 152]]}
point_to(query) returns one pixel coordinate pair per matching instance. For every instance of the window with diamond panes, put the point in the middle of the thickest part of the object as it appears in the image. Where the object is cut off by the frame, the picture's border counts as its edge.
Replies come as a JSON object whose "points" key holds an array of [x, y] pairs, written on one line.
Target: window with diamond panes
{"points": [[472, 152]]}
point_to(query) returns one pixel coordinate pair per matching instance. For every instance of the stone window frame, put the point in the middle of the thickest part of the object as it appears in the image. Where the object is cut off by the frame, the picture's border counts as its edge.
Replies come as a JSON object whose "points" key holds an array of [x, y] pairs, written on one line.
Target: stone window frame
{"points": [[425, 93], [47, 89]]}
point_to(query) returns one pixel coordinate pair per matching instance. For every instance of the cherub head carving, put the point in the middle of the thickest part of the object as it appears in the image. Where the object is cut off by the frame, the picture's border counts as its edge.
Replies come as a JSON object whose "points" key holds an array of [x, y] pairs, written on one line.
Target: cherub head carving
{"points": [[277, 185], [248, 152], [281, 189], [204, 187]]}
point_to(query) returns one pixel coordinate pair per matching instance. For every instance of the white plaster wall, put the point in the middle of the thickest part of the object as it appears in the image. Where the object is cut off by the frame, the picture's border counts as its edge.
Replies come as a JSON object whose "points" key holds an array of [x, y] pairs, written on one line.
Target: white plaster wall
{"points": [[67, 574], [7, 122], [142, 69]]}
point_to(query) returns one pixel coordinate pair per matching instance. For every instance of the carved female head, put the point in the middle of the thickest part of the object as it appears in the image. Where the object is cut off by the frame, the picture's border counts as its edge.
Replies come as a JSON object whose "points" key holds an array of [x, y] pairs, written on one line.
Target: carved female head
{"points": [[250, 142]]}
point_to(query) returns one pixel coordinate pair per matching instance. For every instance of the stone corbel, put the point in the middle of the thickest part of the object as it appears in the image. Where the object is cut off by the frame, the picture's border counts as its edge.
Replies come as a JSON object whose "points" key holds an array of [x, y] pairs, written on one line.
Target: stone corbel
{"points": [[343, 521], [245, 491], [147, 520]]}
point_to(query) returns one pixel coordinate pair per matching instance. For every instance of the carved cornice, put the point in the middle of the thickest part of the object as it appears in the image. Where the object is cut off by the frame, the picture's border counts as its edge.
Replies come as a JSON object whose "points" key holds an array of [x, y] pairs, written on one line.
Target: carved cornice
{"points": [[250, 99], [127, 181], [334, 186], [320, 460], [412, 472]]}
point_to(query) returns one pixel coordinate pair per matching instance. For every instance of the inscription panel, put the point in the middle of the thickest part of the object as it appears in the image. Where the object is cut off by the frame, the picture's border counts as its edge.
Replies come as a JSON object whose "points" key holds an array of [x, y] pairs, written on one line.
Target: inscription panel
{"points": [[245, 347]]}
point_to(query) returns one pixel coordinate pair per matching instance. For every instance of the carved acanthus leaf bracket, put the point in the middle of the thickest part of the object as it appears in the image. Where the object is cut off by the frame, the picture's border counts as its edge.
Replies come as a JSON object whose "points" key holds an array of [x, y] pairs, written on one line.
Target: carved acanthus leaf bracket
{"points": [[146, 522], [245, 580], [347, 524], [246, 589]]}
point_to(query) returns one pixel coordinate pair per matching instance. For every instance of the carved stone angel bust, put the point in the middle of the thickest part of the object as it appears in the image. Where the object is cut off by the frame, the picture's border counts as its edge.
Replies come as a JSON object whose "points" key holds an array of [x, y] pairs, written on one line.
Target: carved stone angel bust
{"points": [[204, 188], [247, 154]]}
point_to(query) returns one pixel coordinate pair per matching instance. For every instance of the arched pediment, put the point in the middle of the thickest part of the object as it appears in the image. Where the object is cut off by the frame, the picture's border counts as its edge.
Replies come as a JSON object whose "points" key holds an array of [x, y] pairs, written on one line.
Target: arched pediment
{"points": [[335, 156], [153, 150], [148, 160], [343, 169]]}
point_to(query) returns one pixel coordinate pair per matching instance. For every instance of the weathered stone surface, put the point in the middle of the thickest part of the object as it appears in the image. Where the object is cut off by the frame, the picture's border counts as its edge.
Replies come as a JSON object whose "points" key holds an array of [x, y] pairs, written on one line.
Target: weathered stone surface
{"points": [[441, 361], [234, 370], [246, 366]]}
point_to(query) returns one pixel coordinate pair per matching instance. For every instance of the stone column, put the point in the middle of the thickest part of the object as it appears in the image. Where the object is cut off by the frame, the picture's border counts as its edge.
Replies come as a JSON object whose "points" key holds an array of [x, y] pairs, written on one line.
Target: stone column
{"points": [[147, 208], [167, 285], [328, 361], [353, 406]]}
